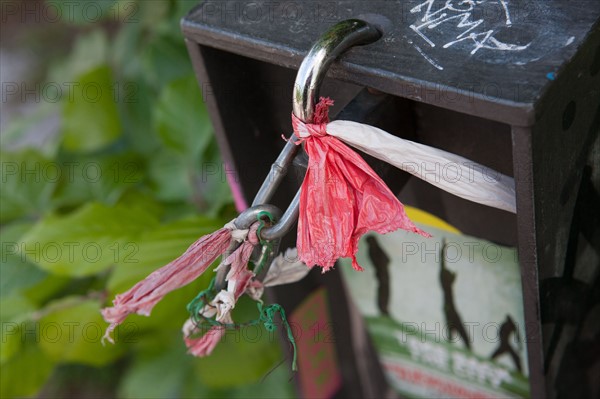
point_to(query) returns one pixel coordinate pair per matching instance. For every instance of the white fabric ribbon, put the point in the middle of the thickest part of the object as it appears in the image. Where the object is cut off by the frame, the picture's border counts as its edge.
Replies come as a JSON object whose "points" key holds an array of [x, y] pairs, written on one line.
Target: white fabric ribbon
{"points": [[449, 172]]}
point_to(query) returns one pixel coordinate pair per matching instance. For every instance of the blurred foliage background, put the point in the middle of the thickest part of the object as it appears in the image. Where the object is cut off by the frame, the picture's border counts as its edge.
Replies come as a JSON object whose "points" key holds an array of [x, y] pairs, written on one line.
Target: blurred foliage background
{"points": [[104, 142]]}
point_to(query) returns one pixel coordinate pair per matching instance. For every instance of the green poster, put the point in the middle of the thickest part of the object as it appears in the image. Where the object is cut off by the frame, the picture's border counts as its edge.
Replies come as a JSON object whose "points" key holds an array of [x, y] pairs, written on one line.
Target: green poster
{"points": [[445, 313]]}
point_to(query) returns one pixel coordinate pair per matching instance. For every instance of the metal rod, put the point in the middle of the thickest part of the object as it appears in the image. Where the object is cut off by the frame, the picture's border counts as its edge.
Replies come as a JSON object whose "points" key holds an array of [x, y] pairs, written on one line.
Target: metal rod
{"points": [[250, 215], [339, 38], [286, 222], [278, 171]]}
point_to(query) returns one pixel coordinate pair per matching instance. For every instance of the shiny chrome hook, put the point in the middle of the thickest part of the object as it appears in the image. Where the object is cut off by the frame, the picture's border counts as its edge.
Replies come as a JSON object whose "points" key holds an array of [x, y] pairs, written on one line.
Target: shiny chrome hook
{"points": [[339, 38]]}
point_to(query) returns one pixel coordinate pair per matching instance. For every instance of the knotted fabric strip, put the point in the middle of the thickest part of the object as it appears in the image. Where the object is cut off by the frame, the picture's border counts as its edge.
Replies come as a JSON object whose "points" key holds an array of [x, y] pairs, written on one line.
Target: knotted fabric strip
{"points": [[341, 197], [142, 297], [238, 279]]}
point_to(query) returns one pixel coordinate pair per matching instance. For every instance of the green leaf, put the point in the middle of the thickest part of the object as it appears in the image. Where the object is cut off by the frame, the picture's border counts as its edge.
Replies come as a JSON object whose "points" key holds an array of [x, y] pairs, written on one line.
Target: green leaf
{"points": [[183, 7], [102, 178], [165, 59], [181, 118], [86, 12], [72, 330], [170, 176], [51, 286], [25, 374], [88, 240], [182, 210], [188, 170], [28, 181], [82, 381], [124, 49], [277, 385], [173, 178], [15, 311], [90, 116], [89, 52], [23, 132], [20, 279], [142, 201], [137, 104], [11, 342], [153, 14], [169, 367], [15, 308], [211, 181], [16, 273]]}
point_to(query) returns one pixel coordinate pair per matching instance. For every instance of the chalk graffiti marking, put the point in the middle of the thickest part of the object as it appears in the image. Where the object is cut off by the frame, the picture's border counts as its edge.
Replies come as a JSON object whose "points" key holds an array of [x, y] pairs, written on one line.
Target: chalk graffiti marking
{"points": [[460, 16]]}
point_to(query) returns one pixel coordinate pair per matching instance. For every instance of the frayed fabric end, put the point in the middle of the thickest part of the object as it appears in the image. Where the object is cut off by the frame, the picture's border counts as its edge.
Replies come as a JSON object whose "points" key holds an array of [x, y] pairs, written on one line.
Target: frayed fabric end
{"points": [[204, 345], [341, 198], [143, 296]]}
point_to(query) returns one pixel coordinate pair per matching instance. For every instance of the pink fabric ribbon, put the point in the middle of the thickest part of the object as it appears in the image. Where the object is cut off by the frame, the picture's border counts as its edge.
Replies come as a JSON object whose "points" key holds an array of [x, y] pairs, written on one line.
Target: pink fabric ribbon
{"points": [[142, 297]]}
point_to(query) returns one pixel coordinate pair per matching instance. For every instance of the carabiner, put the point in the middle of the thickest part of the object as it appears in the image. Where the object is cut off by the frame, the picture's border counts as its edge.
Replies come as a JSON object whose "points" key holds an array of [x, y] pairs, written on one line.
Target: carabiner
{"points": [[252, 214], [339, 38], [242, 222]]}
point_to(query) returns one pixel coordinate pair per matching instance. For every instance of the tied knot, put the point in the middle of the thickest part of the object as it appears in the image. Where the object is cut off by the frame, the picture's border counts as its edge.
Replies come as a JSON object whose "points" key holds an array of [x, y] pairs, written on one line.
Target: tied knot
{"points": [[252, 236], [304, 130], [318, 128]]}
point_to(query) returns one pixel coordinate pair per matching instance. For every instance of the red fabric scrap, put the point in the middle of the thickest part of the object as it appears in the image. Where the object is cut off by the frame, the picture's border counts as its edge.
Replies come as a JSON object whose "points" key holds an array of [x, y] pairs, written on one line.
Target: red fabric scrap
{"points": [[142, 297], [341, 197]]}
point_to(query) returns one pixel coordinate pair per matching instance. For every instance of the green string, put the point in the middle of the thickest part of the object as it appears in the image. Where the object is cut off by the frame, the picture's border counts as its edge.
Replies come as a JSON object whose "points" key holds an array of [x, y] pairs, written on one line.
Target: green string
{"points": [[267, 315], [197, 304], [267, 245], [203, 298], [260, 216]]}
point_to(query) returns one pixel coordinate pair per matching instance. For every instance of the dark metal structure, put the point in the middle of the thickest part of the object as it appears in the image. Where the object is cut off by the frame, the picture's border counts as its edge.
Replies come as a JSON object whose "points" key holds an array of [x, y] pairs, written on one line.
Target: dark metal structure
{"points": [[512, 85]]}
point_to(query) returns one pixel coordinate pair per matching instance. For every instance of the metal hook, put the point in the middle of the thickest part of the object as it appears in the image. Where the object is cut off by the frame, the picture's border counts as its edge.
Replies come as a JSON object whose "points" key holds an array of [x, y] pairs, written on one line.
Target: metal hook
{"points": [[339, 38]]}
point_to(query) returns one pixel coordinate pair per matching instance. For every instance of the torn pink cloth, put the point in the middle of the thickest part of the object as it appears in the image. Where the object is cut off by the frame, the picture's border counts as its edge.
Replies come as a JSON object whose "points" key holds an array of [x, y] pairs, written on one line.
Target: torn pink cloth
{"points": [[203, 346], [238, 279], [142, 297], [341, 197]]}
